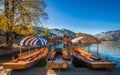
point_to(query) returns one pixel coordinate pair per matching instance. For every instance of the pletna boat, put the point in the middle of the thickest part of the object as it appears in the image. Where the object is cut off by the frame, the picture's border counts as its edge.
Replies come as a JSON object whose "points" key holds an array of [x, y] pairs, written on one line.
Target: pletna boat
{"points": [[88, 59], [28, 59], [59, 57]]}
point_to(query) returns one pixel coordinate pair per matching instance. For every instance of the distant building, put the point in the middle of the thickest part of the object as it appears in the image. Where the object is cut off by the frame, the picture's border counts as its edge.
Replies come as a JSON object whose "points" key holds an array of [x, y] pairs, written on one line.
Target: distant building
{"points": [[56, 32]]}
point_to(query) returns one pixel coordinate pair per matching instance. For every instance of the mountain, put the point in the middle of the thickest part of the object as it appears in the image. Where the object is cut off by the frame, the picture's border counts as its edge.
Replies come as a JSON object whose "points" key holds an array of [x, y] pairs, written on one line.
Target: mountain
{"points": [[68, 33], [109, 35], [41, 32]]}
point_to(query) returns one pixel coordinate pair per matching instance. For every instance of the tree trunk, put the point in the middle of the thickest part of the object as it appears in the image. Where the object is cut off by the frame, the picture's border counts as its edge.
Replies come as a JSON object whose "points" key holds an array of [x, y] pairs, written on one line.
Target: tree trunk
{"points": [[9, 38], [7, 16]]}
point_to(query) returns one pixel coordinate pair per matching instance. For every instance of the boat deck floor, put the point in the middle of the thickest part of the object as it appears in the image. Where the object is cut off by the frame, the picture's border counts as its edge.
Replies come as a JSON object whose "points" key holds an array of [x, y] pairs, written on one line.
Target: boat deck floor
{"points": [[30, 56], [93, 59], [58, 60]]}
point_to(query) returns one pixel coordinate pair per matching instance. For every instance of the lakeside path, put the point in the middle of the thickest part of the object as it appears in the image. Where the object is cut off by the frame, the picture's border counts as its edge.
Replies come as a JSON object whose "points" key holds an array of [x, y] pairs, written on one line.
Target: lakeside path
{"points": [[71, 71]]}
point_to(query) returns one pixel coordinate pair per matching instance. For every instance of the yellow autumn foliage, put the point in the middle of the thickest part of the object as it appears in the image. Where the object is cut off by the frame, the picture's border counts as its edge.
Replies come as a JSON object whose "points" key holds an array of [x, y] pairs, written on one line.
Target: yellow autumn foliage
{"points": [[26, 14], [4, 23], [19, 29]]}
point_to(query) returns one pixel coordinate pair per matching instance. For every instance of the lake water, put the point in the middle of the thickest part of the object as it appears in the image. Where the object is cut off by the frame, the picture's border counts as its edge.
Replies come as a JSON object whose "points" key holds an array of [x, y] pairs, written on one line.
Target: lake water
{"points": [[109, 49]]}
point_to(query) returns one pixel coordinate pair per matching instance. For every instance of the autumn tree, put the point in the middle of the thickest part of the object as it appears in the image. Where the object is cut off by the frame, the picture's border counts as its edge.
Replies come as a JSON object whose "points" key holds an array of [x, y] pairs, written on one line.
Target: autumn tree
{"points": [[19, 16]]}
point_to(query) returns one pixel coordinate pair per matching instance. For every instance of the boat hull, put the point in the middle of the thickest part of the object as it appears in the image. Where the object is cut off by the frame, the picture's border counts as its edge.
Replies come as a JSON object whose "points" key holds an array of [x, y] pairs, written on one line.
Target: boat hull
{"points": [[26, 60], [59, 58], [58, 65], [21, 65], [81, 62]]}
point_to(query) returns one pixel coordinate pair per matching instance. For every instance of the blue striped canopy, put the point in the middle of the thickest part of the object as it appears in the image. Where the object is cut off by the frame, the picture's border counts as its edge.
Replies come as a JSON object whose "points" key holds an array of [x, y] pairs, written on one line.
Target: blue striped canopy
{"points": [[32, 41], [42, 41]]}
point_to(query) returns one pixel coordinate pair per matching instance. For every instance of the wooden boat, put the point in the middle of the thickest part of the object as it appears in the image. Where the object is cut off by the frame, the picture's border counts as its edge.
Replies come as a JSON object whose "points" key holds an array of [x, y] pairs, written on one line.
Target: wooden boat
{"points": [[87, 59], [26, 60], [59, 58]]}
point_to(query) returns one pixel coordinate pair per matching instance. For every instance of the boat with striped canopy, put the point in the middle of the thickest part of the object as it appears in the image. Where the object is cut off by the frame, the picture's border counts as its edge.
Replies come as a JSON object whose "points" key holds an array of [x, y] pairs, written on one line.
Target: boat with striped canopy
{"points": [[29, 58], [59, 57], [86, 58]]}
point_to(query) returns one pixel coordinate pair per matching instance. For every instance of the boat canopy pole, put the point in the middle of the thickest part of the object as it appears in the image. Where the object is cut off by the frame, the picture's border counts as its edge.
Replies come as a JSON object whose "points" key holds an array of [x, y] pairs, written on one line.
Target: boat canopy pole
{"points": [[20, 51], [29, 49], [82, 45], [35, 46], [70, 46], [97, 49], [77, 45], [88, 47]]}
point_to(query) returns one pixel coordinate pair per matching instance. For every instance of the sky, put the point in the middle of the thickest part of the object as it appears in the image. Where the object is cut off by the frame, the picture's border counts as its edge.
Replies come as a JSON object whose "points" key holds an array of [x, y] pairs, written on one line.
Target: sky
{"points": [[87, 16]]}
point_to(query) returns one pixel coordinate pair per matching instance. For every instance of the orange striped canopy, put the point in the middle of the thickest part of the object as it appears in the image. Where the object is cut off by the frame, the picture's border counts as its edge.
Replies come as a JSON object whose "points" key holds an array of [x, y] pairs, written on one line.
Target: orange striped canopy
{"points": [[66, 40]]}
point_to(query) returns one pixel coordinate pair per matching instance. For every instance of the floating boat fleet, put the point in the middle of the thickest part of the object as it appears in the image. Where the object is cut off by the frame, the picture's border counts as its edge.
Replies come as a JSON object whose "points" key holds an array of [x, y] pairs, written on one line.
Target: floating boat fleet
{"points": [[57, 57]]}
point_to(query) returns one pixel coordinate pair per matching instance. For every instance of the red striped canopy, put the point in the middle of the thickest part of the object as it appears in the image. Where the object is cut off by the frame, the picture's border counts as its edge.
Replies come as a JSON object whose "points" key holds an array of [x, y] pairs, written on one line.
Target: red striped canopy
{"points": [[66, 40]]}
